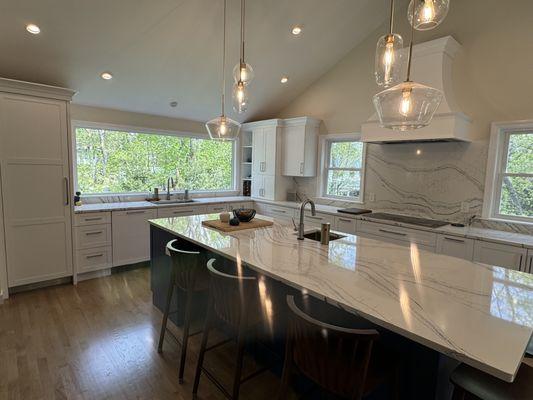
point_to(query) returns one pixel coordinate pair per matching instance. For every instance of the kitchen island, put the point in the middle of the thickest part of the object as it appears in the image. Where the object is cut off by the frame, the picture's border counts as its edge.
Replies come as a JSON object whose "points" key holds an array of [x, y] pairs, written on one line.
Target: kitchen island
{"points": [[479, 314]]}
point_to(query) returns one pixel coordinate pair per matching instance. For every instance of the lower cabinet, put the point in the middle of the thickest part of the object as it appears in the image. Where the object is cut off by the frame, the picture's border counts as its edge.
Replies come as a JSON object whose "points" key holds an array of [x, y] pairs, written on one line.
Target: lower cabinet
{"points": [[455, 246], [92, 242], [216, 208], [501, 255], [398, 234], [317, 219], [131, 236], [181, 211], [346, 225]]}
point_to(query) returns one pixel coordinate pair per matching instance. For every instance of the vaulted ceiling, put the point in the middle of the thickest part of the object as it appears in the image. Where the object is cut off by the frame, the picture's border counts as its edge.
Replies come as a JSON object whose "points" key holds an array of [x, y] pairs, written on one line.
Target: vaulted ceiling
{"points": [[170, 50]]}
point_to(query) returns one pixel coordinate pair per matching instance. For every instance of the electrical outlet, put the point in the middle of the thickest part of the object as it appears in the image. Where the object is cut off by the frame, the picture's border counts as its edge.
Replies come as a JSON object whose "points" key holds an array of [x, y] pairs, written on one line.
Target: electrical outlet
{"points": [[371, 197], [465, 207]]}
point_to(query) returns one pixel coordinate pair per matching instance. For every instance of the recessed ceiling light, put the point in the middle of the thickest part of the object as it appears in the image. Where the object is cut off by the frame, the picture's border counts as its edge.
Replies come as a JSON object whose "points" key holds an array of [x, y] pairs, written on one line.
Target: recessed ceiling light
{"points": [[173, 104], [296, 30], [106, 75], [33, 29], [284, 79]]}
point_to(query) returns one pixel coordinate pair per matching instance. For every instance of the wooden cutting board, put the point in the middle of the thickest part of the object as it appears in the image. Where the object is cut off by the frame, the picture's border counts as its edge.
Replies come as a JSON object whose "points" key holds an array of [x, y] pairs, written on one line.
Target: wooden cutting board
{"points": [[226, 227]]}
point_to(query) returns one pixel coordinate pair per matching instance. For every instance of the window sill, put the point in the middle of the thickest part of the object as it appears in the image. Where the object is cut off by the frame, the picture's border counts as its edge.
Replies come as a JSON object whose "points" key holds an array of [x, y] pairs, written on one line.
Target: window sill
{"points": [[509, 220], [339, 199]]}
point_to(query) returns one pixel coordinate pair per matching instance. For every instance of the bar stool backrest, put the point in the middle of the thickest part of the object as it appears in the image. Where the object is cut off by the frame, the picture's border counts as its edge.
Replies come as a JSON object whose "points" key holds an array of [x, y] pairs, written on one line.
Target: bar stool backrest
{"points": [[188, 264], [233, 296], [334, 357]]}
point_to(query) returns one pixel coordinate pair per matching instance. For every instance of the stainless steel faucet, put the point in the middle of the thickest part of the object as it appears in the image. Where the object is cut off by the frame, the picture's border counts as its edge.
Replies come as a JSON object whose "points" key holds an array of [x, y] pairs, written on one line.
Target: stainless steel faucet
{"points": [[170, 181], [302, 212]]}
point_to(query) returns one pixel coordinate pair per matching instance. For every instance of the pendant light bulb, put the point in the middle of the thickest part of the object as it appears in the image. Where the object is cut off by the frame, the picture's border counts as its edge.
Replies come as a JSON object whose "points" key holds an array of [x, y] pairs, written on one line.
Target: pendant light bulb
{"points": [[243, 72], [428, 14], [406, 106], [389, 56], [240, 98]]}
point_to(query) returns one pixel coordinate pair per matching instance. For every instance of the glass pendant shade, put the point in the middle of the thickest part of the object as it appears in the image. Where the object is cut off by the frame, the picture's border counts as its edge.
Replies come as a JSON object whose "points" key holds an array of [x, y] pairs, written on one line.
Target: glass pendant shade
{"points": [[428, 13], [389, 58], [240, 98], [407, 106], [244, 73], [223, 128]]}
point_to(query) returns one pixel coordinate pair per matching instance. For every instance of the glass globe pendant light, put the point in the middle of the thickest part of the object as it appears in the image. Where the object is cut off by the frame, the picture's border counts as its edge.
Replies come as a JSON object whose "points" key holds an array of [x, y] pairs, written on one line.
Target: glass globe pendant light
{"points": [[240, 98], [243, 72], [223, 128], [408, 105], [428, 14], [388, 56]]}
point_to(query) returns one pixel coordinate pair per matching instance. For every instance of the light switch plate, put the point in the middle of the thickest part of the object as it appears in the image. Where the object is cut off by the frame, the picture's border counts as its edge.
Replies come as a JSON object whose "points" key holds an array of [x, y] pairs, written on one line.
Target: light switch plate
{"points": [[371, 197]]}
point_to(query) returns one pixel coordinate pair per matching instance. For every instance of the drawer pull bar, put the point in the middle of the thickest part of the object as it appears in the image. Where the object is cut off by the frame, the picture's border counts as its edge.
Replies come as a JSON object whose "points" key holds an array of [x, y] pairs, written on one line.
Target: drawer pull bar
{"points": [[183, 212], [95, 256], [311, 217], [135, 212], [454, 239], [345, 220], [279, 211], [393, 232], [93, 219], [93, 233]]}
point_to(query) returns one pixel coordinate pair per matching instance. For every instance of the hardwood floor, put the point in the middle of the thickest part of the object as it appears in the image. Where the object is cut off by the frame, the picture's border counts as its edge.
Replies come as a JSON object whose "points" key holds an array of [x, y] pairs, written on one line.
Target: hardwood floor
{"points": [[98, 340]]}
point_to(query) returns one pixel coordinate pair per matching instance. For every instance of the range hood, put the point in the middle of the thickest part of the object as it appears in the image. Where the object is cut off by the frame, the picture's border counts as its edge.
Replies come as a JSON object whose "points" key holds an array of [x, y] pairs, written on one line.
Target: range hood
{"points": [[432, 66]]}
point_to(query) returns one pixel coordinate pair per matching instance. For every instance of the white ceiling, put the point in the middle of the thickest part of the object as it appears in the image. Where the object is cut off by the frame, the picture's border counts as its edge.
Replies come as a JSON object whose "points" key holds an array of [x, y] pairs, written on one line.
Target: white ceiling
{"points": [[164, 50]]}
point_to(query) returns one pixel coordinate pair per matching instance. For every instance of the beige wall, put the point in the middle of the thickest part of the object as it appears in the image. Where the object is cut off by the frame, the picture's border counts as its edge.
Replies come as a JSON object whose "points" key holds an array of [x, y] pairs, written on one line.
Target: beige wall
{"points": [[117, 117], [492, 77]]}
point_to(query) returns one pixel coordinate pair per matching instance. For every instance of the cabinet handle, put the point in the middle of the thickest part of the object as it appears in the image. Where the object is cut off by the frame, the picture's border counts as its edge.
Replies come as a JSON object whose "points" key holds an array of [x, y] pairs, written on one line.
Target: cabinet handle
{"points": [[67, 192], [93, 233], [345, 220], [453, 239], [135, 212], [393, 232], [520, 262], [279, 211], [92, 219], [94, 256], [183, 212], [531, 265], [311, 217], [301, 168]]}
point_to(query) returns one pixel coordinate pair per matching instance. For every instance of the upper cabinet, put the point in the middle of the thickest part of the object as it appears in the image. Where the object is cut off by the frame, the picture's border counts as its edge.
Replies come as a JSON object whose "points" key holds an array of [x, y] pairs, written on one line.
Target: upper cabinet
{"points": [[264, 151], [299, 147]]}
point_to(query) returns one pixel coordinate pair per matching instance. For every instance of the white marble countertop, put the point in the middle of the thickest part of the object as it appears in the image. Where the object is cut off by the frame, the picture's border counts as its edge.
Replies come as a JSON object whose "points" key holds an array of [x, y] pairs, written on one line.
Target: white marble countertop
{"points": [[475, 313]]}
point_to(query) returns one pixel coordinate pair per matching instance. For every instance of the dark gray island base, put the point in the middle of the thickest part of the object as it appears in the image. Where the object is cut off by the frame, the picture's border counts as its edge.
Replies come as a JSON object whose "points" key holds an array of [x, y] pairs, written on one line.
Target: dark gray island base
{"points": [[420, 366]]}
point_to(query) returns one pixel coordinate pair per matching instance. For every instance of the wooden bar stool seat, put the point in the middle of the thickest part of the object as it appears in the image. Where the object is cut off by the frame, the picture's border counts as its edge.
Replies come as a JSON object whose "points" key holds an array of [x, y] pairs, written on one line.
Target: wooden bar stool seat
{"points": [[470, 383], [339, 360], [190, 275]]}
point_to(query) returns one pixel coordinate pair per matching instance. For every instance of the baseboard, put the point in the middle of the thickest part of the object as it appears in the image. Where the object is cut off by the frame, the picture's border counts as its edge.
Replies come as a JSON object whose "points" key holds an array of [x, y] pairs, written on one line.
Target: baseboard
{"points": [[40, 285], [94, 274]]}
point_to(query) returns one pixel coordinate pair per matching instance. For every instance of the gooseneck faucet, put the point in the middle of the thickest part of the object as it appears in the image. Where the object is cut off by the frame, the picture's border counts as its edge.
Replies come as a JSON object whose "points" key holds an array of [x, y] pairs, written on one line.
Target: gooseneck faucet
{"points": [[170, 181], [302, 211]]}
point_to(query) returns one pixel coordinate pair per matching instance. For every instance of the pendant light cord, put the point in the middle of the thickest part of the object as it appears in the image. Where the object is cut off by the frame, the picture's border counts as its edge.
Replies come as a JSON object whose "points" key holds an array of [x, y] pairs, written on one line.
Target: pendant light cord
{"points": [[391, 24], [224, 61], [411, 44], [243, 11]]}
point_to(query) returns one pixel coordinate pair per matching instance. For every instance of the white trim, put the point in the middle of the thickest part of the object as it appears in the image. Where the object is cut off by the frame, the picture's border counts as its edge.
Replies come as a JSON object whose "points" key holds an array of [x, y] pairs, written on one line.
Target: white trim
{"points": [[497, 158], [324, 146], [144, 130], [36, 89]]}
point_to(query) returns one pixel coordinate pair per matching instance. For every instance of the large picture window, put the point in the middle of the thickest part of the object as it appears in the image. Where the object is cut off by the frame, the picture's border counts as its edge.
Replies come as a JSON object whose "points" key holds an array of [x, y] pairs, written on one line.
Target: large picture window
{"points": [[343, 167], [510, 173], [121, 161]]}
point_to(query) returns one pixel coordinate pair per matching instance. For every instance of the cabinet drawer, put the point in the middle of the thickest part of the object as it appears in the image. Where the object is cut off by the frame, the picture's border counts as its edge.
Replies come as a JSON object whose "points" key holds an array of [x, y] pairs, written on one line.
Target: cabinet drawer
{"points": [[500, 255], [346, 225], [455, 246], [169, 212], [93, 236], [94, 259], [236, 206], [319, 219], [398, 233], [280, 212], [92, 218], [216, 208]]}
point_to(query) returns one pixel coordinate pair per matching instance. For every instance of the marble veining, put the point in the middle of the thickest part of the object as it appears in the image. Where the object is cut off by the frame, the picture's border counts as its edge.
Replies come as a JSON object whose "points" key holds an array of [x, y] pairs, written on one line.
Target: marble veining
{"points": [[476, 313]]}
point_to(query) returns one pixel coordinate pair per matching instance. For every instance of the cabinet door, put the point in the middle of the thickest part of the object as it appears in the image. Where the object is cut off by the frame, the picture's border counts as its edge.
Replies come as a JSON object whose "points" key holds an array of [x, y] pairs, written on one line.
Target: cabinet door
{"points": [[257, 185], [131, 236], [181, 211], [269, 187], [500, 255], [293, 150], [455, 246], [258, 152], [346, 225], [270, 140], [216, 208], [34, 163], [529, 262]]}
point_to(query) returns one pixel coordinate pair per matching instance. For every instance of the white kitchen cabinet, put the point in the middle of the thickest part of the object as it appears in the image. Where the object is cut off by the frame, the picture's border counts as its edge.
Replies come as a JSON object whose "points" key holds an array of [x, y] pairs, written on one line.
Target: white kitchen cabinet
{"points": [[216, 208], [425, 240], [279, 212], [35, 179], [264, 187], [529, 262], [236, 206], [94, 259], [87, 236], [455, 246], [180, 211], [131, 236], [300, 141], [501, 255], [346, 225], [95, 218], [93, 240], [316, 220]]}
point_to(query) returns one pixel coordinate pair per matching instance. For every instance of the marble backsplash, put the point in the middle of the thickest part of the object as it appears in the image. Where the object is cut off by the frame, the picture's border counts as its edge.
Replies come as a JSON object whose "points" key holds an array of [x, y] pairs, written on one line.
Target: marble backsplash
{"points": [[429, 180]]}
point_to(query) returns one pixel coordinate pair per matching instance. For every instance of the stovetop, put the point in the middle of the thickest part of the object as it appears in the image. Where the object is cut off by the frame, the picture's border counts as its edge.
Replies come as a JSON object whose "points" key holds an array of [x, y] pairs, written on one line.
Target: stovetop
{"points": [[428, 223]]}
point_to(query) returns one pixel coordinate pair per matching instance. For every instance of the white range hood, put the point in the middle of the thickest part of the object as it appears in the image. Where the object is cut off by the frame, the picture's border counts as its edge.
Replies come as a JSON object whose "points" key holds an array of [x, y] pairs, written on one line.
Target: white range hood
{"points": [[432, 66]]}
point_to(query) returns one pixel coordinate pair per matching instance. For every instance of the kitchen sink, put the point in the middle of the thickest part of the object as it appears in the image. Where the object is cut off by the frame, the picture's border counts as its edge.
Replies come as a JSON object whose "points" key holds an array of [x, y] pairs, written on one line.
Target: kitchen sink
{"points": [[175, 201], [317, 235]]}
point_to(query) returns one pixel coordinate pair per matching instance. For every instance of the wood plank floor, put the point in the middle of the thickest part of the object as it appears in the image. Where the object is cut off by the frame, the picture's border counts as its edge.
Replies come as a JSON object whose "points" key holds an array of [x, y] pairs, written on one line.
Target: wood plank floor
{"points": [[98, 340]]}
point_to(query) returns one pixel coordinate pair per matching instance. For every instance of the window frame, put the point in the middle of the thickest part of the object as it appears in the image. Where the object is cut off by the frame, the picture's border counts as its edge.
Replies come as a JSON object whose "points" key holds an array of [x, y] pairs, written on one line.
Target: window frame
{"points": [[496, 168], [144, 130], [325, 153]]}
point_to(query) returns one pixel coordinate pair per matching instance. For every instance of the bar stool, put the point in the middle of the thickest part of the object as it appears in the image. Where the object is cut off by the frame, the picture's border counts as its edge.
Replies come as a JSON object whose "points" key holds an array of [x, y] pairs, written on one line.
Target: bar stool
{"points": [[337, 359], [470, 383], [233, 301], [190, 275]]}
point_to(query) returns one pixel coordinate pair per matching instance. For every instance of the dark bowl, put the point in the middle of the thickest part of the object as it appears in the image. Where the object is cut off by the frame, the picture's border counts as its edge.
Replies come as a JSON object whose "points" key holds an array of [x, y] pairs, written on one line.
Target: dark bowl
{"points": [[244, 214]]}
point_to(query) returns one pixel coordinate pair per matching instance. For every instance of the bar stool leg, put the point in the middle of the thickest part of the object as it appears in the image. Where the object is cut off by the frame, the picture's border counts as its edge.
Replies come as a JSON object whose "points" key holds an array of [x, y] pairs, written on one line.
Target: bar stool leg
{"points": [[165, 314], [458, 393], [287, 372], [185, 338], [241, 341], [208, 324]]}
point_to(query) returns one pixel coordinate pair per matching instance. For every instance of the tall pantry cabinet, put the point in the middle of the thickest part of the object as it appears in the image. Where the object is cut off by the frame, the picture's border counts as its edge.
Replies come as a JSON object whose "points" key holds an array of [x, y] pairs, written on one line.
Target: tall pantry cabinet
{"points": [[35, 182]]}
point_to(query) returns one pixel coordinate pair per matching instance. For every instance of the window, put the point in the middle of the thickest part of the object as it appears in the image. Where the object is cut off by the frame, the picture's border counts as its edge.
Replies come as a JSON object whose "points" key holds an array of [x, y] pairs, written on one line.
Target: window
{"points": [[122, 161], [509, 193], [343, 163]]}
